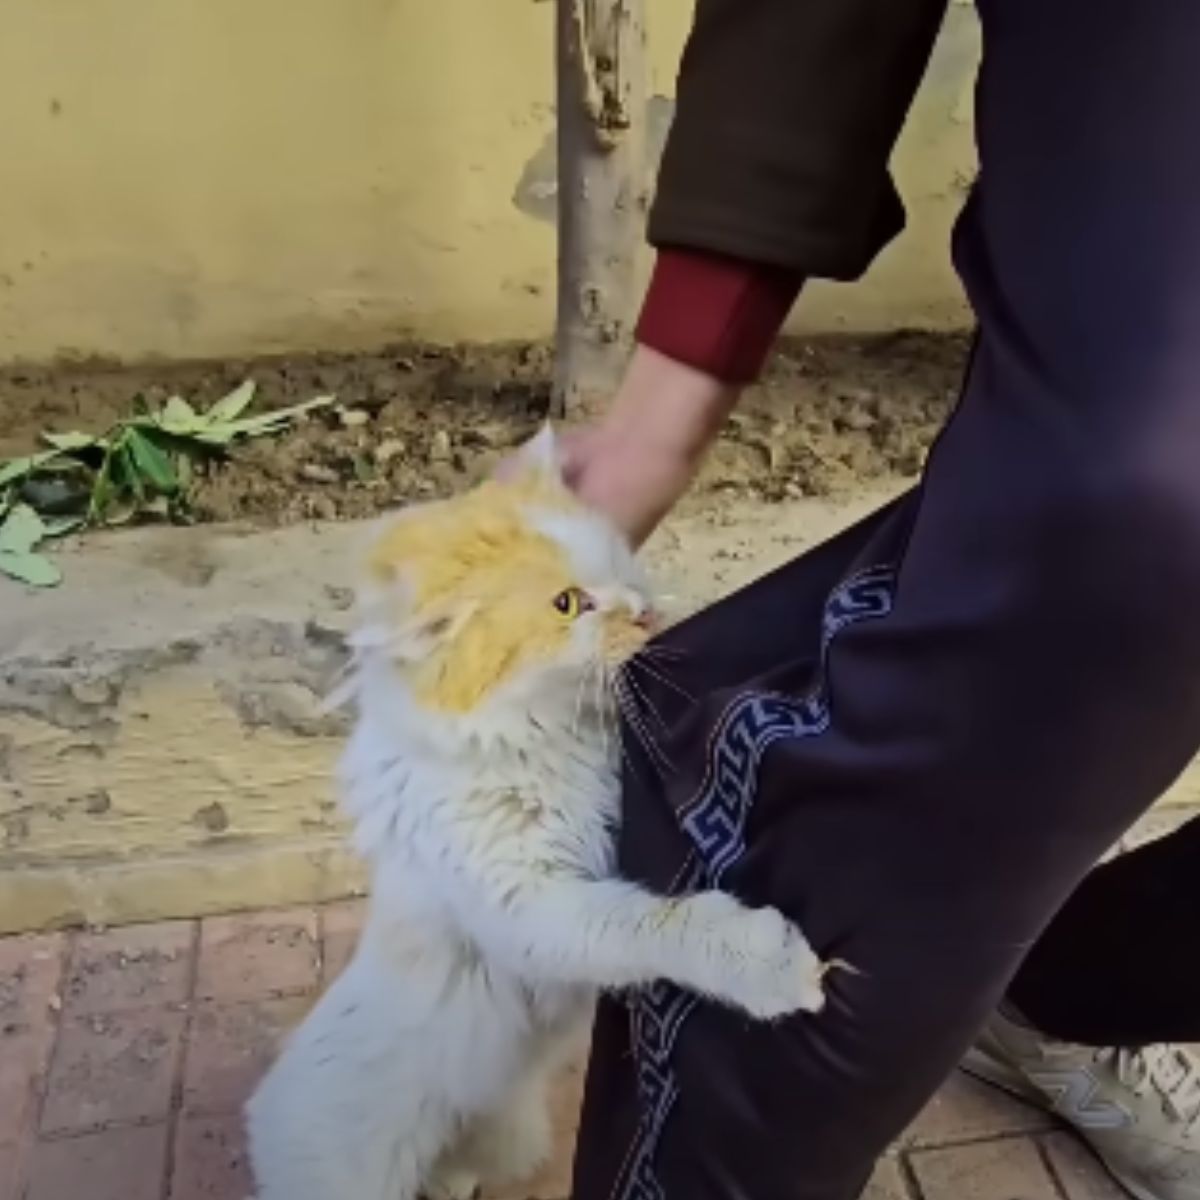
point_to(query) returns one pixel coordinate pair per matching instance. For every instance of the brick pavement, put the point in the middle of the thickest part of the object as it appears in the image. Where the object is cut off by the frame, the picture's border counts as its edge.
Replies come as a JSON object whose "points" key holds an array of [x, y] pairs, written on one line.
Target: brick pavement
{"points": [[125, 1056]]}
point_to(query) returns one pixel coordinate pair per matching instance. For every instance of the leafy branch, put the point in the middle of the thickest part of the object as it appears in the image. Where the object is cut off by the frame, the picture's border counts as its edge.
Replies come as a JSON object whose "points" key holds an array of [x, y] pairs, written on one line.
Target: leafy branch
{"points": [[142, 466]]}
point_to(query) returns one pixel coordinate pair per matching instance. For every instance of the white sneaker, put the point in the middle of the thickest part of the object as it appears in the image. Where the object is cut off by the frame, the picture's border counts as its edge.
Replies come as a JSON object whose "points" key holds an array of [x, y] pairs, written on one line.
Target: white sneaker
{"points": [[1138, 1109]]}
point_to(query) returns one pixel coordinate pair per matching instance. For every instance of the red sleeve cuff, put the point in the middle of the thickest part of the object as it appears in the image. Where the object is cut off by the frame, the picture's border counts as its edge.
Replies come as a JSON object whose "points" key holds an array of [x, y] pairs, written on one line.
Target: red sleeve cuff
{"points": [[719, 315]]}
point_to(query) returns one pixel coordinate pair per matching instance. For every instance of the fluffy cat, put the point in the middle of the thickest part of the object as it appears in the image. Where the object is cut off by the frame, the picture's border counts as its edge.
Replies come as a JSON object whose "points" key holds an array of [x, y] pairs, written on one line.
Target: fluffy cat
{"points": [[483, 783]]}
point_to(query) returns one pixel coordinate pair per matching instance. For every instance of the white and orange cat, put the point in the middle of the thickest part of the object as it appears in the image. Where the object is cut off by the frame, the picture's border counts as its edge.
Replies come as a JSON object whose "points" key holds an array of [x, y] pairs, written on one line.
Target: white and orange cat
{"points": [[483, 783]]}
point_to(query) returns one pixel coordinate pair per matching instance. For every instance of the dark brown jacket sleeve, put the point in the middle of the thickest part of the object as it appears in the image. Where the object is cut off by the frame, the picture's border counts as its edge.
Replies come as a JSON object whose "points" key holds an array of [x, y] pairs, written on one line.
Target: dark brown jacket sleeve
{"points": [[786, 116]]}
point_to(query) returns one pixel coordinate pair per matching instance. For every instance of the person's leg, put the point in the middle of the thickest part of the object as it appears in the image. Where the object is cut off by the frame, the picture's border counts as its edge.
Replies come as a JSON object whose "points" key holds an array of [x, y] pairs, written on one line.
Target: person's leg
{"points": [[1098, 1023], [1118, 965], [1006, 670]]}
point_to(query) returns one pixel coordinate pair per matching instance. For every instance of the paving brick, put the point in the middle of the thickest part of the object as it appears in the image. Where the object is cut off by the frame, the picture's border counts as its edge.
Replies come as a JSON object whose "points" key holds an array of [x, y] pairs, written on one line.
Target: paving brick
{"points": [[136, 967], [1079, 1172], [210, 1160], [250, 956], [1008, 1169], [24, 1056], [229, 1048], [887, 1182], [341, 925], [113, 1068], [965, 1110], [10, 1172], [116, 1164], [30, 975]]}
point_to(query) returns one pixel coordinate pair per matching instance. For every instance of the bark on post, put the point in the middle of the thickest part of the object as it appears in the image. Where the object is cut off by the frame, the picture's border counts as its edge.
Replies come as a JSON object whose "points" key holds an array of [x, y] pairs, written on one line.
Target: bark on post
{"points": [[601, 92]]}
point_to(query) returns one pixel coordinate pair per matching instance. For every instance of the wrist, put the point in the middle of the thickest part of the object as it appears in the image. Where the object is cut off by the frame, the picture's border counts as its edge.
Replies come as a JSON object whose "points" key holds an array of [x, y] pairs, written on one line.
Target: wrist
{"points": [[667, 407]]}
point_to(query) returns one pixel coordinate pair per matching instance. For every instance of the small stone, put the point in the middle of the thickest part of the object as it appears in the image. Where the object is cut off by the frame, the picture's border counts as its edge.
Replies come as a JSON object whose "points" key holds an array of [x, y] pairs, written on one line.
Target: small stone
{"points": [[316, 473], [91, 691], [323, 508], [489, 436], [857, 418], [97, 802], [353, 417], [341, 598], [212, 817], [387, 450], [439, 446]]}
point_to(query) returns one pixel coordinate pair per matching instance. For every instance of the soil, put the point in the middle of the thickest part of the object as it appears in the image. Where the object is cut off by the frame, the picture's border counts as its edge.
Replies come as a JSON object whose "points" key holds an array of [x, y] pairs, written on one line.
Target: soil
{"points": [[416, 422]]}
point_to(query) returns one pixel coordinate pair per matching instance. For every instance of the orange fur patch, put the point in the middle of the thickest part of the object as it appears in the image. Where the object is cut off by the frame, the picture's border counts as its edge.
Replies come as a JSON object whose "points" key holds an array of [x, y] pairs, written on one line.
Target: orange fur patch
{"points": [[475, 564]]}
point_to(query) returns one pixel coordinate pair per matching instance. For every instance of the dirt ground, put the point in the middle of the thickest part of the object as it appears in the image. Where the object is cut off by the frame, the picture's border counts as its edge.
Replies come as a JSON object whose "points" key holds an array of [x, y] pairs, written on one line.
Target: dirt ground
{"points": [[831, 417]]}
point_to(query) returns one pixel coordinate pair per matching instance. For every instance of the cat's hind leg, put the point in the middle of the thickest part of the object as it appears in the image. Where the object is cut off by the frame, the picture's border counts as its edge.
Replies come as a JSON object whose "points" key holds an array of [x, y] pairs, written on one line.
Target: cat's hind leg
{"points": [[504, 1146]]}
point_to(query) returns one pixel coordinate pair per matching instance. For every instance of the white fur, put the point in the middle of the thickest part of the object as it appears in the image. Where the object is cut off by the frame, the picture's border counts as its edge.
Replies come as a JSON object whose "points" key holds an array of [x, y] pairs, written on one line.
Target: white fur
{"points": [[495, 915]]}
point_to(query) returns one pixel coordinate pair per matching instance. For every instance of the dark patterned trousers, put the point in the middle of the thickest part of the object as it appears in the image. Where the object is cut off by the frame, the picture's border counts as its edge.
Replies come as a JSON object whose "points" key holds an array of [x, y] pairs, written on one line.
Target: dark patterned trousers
{"points": [[918, 738]]}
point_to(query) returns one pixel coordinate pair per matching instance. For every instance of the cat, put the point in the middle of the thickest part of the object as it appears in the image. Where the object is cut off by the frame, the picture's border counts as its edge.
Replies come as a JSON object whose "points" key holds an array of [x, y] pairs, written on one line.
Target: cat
{"points": [[482, 780]]}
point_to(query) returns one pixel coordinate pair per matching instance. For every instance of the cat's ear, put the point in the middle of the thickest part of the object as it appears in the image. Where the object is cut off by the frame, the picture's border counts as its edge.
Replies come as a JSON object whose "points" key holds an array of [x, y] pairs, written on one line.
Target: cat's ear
{"points": [[539, 458], [390, 623], [423, 634]]}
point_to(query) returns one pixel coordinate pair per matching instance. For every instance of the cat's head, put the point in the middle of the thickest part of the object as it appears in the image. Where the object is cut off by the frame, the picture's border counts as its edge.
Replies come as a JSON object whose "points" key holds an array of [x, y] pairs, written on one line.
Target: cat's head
{"points": [[511, 596]]}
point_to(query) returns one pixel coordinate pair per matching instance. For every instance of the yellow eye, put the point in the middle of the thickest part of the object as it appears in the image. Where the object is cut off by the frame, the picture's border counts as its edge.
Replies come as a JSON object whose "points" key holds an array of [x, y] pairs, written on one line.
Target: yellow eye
{"points": [[572, 603]]}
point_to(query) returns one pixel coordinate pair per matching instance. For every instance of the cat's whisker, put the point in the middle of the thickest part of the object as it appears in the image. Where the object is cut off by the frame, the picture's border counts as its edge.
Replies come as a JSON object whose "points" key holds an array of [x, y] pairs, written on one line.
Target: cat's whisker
{"points": [[654, 672], [626, 759], [632, 708], [658, 758], [603, 709], [643, 699], [646, 705], [638, 725], [343, 688], [666, 653]]}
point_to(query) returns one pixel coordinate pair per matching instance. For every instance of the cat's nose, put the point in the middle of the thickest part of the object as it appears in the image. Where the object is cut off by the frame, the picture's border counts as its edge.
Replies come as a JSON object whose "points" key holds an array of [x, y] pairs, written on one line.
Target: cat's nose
{"points": [[646, 618]]}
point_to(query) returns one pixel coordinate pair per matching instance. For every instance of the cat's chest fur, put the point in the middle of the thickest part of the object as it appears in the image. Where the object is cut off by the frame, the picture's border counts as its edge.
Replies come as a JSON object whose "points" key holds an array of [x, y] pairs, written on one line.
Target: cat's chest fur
{"points": [[431, 823]]}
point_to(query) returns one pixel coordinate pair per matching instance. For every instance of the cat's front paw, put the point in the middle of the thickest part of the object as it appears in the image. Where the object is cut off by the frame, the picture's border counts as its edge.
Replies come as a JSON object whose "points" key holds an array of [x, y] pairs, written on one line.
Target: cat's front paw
{"points": [[760, 960]]}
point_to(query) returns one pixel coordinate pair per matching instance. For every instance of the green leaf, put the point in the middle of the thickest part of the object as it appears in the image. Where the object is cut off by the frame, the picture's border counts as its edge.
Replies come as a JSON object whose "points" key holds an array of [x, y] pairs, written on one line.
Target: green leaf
{"points": [[275, 419], [71, 441], [21, 531], [157, 506], [120, 512], [62, 526], [34, 569], [131, 476], [153, 464], [16, 468], [230, 407], [179, 417], [104, 489]]}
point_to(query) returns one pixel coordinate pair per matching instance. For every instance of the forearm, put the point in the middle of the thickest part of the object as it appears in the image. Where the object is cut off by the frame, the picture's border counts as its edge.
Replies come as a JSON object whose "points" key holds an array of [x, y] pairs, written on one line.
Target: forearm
{"points": [[706, 327]]}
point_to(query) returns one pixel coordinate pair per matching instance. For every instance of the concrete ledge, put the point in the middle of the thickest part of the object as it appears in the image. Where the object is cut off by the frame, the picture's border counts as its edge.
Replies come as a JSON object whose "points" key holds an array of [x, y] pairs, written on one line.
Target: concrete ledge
{"points": [[162, 748], [220, 879]]}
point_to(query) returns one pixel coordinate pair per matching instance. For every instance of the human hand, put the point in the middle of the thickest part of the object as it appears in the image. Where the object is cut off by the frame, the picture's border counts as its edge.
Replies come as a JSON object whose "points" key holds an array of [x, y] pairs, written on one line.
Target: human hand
{"points": [[636, 462], [633, 480]]}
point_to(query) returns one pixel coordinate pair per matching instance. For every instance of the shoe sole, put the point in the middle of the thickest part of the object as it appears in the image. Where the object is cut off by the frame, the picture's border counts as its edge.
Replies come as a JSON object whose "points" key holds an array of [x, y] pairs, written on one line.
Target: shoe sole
{"points": [[982, 1066]]}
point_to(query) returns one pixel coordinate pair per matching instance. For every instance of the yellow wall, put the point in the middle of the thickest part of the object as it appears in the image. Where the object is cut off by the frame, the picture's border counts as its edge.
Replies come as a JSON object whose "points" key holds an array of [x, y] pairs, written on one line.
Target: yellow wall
{"points": [[203, 177]]}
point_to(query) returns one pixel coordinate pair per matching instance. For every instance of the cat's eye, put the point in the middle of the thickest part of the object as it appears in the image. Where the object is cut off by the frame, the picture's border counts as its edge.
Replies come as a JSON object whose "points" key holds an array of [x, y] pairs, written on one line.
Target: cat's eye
{"points": [[572, 602]]}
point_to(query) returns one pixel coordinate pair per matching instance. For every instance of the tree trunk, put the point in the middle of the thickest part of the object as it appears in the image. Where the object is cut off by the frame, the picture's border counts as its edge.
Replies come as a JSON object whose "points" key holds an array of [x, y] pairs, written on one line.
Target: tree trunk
{"points": [[601, 67]]}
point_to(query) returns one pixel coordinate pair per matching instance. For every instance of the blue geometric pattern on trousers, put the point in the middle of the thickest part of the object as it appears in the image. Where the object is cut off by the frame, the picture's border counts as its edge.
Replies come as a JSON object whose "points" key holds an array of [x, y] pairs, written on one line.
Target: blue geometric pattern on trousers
{"points": [[715, 821]]}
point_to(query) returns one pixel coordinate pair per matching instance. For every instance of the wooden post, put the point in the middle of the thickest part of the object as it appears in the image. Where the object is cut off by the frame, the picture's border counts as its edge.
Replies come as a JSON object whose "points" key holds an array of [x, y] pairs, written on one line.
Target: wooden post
{"points": [[602, 188]]}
